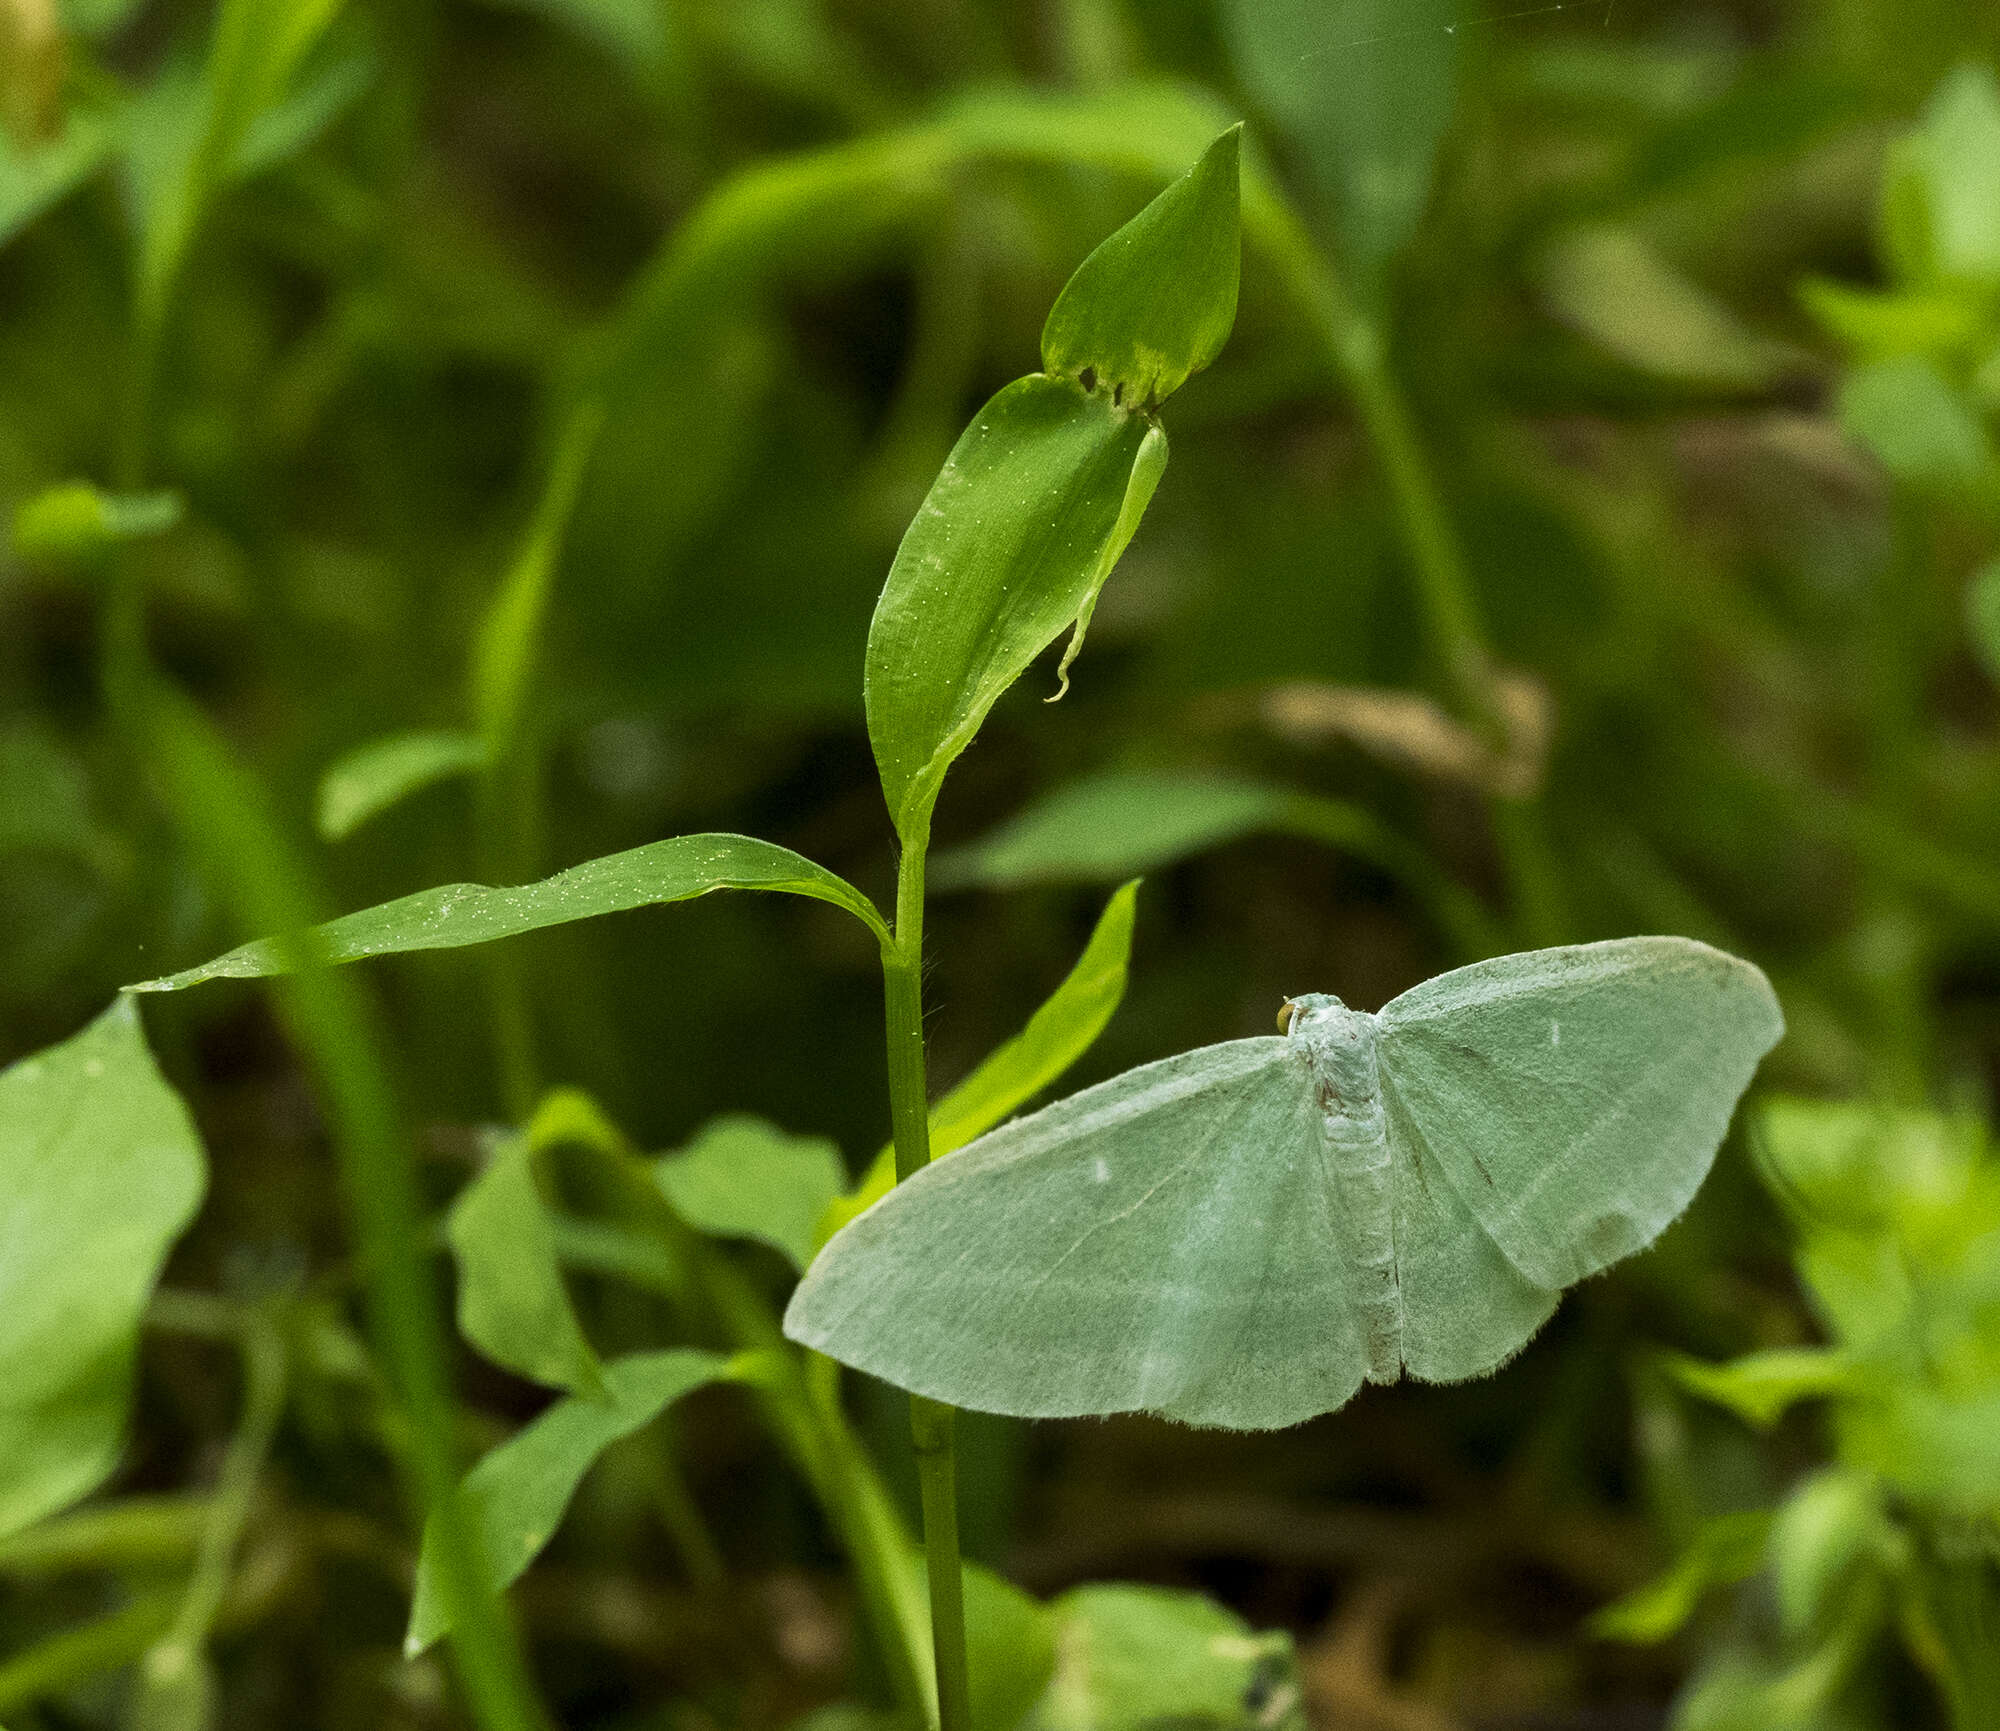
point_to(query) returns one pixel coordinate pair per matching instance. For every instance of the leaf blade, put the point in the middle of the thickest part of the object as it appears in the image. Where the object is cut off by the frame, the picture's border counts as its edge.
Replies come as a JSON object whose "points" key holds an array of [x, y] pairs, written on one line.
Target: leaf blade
{"points": [[512, 1304], [517, 1494], [1064, 1026], [743, 1177], [1018, 533], [102, 1169], [678, 869], [1155, 301]]}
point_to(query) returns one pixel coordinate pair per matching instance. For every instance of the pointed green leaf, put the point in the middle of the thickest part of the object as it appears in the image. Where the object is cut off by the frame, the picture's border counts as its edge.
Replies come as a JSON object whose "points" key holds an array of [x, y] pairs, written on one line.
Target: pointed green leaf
{"points": [[458, 914], [1155, 302], [1760, 1386], [743, 1177], [1363, 90], [384, 772], [1021, 528], [516, 1495], [512, 1303], [1727, 1549], [1130, 1657], [101, 1169], [1129, 821], [1983, 614], [1061, 1030]]}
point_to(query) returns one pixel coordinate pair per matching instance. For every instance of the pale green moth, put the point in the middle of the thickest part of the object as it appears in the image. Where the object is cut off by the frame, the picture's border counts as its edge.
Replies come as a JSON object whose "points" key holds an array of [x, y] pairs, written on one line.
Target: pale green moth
{"points": [[1241, 1235]]}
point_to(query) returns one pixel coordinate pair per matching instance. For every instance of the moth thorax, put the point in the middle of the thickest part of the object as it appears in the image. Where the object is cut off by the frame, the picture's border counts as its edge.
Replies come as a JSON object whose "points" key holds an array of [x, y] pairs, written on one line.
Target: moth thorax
{"points": [[1341, 1044]]}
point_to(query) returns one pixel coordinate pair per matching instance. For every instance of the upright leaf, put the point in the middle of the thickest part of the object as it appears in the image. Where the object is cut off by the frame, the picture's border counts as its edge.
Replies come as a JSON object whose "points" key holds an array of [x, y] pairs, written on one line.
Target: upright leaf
{"points": [[512, 1303], [1036, 502], [517, 1494], [1363, 91], [1061, 1030], [676, 870], [101, 1169], [743, 1177], [1952, 163], [1155, 302]]}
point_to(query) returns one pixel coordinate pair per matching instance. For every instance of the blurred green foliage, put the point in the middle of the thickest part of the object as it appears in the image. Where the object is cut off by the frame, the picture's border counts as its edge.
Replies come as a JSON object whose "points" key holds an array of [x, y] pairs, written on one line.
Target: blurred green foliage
{"points": [[500, 420]]}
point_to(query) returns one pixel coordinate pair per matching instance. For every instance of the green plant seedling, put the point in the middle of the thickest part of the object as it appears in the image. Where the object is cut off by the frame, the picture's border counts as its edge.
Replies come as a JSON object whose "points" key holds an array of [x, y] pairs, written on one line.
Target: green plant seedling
{"points": [[101, 1168], [1240, 1235]]}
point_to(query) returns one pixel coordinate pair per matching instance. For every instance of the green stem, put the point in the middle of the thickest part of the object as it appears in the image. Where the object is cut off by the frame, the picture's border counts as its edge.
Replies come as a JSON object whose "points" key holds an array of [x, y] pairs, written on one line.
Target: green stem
{"points": [[931, 1424], [502, 677], [172, 1660], [803, 1411]]}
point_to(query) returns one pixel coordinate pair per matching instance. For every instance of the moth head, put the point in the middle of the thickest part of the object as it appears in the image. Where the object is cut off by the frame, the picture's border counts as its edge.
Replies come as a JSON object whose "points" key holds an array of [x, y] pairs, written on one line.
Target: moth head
{"points": [[1294, 1010]]}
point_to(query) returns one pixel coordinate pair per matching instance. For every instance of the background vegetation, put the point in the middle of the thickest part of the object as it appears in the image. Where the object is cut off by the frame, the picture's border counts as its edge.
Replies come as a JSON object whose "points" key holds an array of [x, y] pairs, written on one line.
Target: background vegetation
{"points": [[549, 384]]}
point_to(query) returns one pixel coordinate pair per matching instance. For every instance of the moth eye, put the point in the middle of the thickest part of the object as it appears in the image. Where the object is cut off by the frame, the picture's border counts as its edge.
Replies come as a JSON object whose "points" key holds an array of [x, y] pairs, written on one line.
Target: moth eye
{"points": [[1287, 1013]]}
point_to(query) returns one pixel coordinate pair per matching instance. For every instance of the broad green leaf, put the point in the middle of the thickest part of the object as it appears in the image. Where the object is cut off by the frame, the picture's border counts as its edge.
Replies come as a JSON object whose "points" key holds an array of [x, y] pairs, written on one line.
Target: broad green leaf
{"points": [[1129, 1658], [1823, 1528], [1954, 157], [516, 1495], [1727, 1549], [1156, 300], [1061, 1030], [1760, 1387], [512, 1303], [36, 178], [1126, 822], [1363, 90], [1983, 614], [1036, 502], [676, 870], [101, 1169], [1918, 427], [743, 1177], [77, 522], [371, 778]]}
